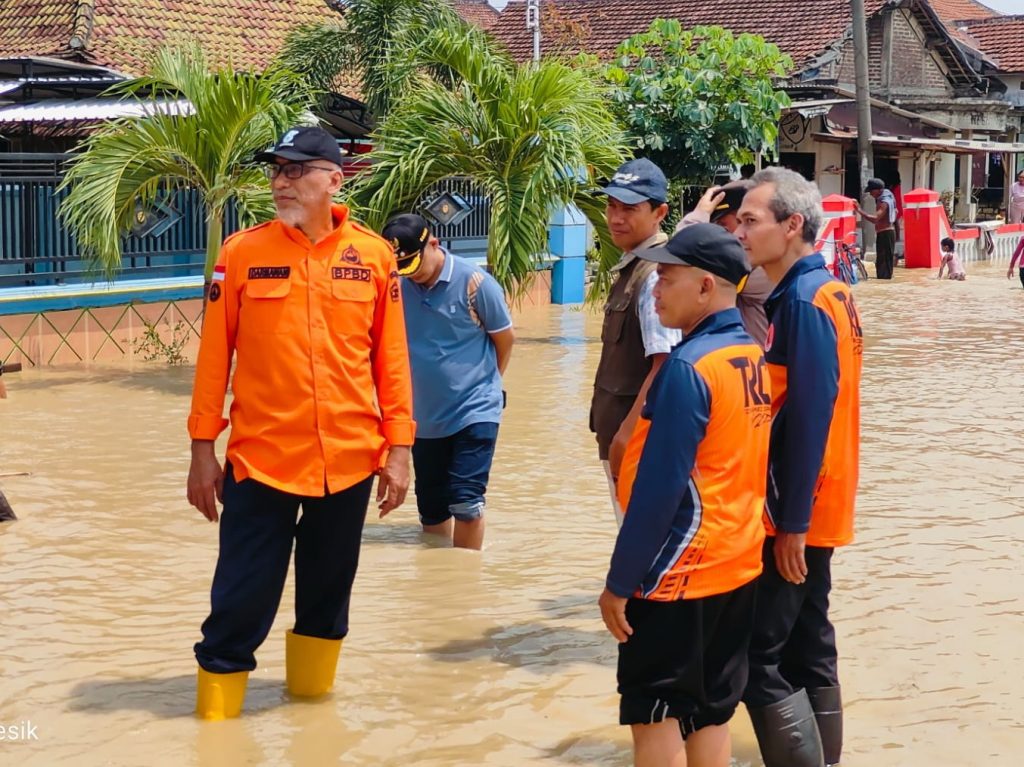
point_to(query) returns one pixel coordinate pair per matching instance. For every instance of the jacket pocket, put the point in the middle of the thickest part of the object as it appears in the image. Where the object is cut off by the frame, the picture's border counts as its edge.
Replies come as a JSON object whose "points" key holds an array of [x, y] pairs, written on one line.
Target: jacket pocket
{"points": [[352, 306], [265, 305], [614, 321]]}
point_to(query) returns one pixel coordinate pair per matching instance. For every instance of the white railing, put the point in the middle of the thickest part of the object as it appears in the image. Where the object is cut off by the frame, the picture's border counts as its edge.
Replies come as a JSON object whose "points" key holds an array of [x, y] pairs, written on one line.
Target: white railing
{"points": [[993, 242], [1004, 243], [968, 250]]}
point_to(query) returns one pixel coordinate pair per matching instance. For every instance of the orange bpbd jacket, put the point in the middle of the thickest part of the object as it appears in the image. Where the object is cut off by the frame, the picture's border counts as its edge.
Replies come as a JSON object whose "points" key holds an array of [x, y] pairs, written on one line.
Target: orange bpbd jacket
{"points": [[321, 382]]}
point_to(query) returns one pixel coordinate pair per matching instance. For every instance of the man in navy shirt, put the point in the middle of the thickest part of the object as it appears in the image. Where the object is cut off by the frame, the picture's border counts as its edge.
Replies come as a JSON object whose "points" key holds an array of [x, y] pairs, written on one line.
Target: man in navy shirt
{"points": [[460, 341], [814, 352]]}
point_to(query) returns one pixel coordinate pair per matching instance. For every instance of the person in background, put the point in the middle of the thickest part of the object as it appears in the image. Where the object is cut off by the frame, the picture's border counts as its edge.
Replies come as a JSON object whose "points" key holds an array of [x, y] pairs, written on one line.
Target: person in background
{"points": [[884, 219], [719, 205], [634, 343], [814, 355], [304, 320], [951, 261], [1015, 210], [897, 198], [460, 342], [679, 595]]}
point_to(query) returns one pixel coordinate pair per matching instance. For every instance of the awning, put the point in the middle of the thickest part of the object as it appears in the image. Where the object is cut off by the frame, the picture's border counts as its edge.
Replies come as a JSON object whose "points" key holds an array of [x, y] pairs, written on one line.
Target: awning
{"points": [[88, 110], [886, 120], [947, 146], [814, 107]]}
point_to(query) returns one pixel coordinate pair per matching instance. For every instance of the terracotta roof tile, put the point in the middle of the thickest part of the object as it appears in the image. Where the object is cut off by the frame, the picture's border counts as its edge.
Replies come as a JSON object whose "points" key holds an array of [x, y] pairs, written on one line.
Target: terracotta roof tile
{"points": [[1002, 38], [598, 26], [957, 10], [121, 34], [476, 12], [40, 27]]}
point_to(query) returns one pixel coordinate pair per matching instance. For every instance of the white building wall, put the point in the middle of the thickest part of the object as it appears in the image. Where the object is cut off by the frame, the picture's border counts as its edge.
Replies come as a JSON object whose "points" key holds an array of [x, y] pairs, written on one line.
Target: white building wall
{"points": [[828, 167]]}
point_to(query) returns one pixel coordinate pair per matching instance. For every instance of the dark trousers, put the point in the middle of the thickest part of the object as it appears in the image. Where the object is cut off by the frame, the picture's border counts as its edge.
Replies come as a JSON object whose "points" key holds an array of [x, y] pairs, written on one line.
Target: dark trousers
{"points": [[452, 473], [1020, 273], [257, 527], [885, 254], [794, 643]]}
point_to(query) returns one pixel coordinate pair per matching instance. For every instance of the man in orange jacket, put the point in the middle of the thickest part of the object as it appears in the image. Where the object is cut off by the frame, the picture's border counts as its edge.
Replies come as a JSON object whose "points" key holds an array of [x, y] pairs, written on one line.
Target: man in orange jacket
{"points": [[310, 308]]}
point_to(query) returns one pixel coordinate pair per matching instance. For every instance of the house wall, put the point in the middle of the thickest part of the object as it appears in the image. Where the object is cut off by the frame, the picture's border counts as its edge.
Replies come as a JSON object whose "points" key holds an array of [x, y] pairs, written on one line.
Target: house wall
{"points": [[945, 174], [829, 168], [899, 62]]}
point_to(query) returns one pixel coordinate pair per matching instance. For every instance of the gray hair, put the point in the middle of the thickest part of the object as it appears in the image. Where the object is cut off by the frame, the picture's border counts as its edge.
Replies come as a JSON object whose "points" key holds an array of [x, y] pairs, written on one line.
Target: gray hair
{"points": [[793, 194]]}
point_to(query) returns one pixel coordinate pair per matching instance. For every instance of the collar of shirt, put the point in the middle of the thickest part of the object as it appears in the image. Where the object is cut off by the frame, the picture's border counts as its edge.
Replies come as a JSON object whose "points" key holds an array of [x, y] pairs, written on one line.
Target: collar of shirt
{"points": [[804, 265], [659, 238], [727, 319], [445, 276], [339, 216]]}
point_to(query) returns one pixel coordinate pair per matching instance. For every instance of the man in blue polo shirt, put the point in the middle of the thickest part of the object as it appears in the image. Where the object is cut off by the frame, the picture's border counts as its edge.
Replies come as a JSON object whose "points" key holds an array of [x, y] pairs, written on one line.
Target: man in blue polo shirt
{"points": [[460, 341]]}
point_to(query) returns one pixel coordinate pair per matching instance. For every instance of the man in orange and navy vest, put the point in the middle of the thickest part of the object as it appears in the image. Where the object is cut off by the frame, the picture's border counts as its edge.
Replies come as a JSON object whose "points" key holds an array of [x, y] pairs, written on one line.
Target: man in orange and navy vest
{"points": [[310, 308], [679, 595], [814, 350]]}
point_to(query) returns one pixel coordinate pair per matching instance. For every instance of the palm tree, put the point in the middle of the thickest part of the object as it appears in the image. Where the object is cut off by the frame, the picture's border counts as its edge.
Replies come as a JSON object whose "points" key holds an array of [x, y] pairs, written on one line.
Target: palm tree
{"points": [[533, 137], [368, 43], [207, 145]]}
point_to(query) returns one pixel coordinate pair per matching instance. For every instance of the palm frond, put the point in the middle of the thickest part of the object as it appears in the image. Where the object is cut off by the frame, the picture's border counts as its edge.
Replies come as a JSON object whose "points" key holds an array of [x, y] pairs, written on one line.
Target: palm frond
{"points": [[127, 164], [532, 137], [320, 53]]}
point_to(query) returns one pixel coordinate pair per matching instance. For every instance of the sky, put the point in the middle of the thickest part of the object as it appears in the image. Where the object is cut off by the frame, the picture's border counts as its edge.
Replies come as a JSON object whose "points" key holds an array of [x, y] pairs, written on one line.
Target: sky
{"points": [[1003, 6]]}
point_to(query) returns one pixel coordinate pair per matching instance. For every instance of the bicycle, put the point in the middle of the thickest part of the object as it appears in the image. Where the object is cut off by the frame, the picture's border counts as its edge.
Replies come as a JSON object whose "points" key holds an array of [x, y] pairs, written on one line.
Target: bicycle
{"points": [[849, 266]]}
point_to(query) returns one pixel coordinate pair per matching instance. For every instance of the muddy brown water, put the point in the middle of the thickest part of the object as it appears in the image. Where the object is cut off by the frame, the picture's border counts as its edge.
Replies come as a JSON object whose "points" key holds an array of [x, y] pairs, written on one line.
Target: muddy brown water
{"points": [[460, 659]]}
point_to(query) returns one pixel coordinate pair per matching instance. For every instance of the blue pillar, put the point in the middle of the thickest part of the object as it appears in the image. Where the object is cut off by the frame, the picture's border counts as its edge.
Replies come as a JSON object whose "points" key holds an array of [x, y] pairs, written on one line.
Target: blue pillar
{"points": [[567, 242]]}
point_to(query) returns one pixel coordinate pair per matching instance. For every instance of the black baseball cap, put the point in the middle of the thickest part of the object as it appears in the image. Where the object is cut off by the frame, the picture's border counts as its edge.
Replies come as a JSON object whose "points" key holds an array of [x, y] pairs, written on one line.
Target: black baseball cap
{"points": [[408, 234], [706, 246], [304, 143], [636, 181], [734, 193], [873, 184]]}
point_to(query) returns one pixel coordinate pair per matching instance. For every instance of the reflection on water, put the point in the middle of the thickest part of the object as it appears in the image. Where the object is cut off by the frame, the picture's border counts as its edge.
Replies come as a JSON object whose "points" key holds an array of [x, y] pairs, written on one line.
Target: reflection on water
{"points": [[458, 659]]}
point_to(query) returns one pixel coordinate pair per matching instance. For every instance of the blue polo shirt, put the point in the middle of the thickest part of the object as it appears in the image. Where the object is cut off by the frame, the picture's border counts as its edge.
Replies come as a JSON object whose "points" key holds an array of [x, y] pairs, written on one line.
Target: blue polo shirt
{"points": [[455, 379]]}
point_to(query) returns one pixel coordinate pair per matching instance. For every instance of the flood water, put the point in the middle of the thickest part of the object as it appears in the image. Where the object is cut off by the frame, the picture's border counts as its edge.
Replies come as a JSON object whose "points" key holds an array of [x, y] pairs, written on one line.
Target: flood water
{"points": [[457, 658]]}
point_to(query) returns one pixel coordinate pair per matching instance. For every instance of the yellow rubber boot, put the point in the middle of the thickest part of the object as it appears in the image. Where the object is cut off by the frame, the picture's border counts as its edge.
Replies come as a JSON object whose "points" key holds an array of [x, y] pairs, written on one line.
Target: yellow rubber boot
{"points": [[310, 663], [220, 696]]}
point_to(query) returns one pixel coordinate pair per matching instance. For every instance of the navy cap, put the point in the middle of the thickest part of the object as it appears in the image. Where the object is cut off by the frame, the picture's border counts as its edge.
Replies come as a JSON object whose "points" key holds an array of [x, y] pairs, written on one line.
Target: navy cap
{"points": [[873, 184], [706, 246], [735, 191], [302, 144], [408, 233], [636, 181]]}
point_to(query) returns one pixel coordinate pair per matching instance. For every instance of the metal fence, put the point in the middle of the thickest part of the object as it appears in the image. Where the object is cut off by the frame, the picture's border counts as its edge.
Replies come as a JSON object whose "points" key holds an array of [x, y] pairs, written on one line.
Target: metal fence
{"points": [[36, 249], [467, 234]]}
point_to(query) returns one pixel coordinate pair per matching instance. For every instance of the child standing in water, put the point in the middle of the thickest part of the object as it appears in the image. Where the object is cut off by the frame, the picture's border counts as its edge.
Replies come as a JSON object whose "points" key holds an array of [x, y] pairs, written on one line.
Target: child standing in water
{"points": [[951, 261]]}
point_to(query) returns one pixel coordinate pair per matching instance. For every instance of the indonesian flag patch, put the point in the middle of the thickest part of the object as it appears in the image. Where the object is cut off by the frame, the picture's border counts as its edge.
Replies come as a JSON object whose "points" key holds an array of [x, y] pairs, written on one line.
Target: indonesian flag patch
{"points": [[218, 273]]}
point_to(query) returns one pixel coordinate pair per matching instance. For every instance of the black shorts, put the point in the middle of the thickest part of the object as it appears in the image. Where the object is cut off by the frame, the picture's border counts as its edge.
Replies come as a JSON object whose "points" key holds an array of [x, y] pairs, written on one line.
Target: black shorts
{"points": [[686, 660]]}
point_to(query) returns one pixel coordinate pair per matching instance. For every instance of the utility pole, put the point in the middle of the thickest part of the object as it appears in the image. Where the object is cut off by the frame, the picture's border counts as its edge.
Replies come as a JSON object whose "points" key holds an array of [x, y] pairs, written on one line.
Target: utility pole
{"points": [[860, 63], [863, 93], [533, 22]]}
